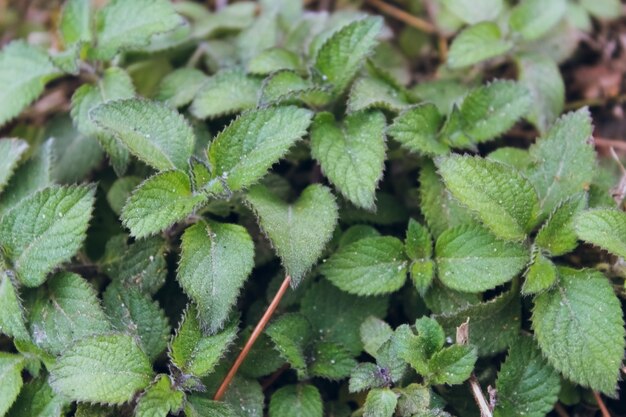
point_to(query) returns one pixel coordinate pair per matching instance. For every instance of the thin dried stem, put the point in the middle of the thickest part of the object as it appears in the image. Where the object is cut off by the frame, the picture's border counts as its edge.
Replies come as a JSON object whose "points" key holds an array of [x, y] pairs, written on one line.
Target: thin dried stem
{"points": [[479, 396], [620, 145], [605, 411], [562, 412], [401, 15], [253, 337]]}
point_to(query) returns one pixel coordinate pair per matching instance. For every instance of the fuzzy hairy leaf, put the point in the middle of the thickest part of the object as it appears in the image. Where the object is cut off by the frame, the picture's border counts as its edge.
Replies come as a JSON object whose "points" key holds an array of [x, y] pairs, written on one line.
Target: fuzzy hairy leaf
{"points": [[11, 376], [477, 43], [563, 161], [194, 353], [136, 314], [153, 132], [119, 192], [202, 407], [374, 333], [37, 399], [65, 311], [474, 11], [246, 397], [502, 198], [227, 92], [557, 236], [331, 361], [299, 231], [580, 329], [123, 25], [159, 202], [11, 150], [380, 402], [366, 376], [75, 22], [540, 275], [216, 258], [12, 313], [471, 259], [24, 71], [296, 401], [352, 155], [291, 334], [605, 228], [376, 93], [369, 266], [341, 56], [45, 229], [243, 152], [452, 365], [533, 18], [179, 87], [272, 60], [289, 87], [527, 385], [105, 369], [159, 399], [417, 130]]}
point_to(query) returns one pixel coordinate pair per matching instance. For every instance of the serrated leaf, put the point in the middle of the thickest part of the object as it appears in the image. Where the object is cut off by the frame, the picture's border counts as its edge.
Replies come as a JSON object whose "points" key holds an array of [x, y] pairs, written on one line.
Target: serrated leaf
{"points": [[502, 198], [45, 229], [159, 399], [352, 154], [203, 407], [341, 56], [153, 132], [216, 258], [541, 274], [431, 334], [299, 231], [418, 243], [452, 365], [366, 376], [291, 334], [194, 353], [37, 399], [287, 87], [494, 324], [261, 35], [417, 130], [75, 22], [557, 236], [415, 399], [243, 152], [471, 259], [376, 93], [122, 25], [296, 401], [246, 397], [179, 87], [474, 11], [477, 43], [370, 266], [119, 192], [515, 157], [12, 150], [374, 333], [106, 369], [380, 402], [605, 228], [534, 18], [443, 300], [262, 360], [527, 385], [159, 202], [563, 161], [66, 311], [580, 329], [331, 361], [357, 232], [227, 92], [12, 313], [24, 72], [11, 376], [136, 314], [272, 60], [336, 316]]}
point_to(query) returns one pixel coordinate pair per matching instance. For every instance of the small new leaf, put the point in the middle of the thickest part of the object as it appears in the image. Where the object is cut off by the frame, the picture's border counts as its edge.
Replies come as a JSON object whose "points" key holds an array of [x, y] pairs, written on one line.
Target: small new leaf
{"points": [[417, 130], [159, 399], [380, 402], [557, 236], [12, 150], [452, 365]]}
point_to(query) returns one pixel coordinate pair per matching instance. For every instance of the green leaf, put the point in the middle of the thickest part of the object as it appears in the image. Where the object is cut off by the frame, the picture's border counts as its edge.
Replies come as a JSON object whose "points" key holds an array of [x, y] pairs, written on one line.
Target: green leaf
{"points": [[541, 274], [179, 87], [12, 313], [119, 192], [38, 400], [415, 399], [417, 130], [331, 361], [289, 87], [291, 334], [605, 228], [136, 314], [474, 11], [24, 72], [380, 402], [203, 407], [122, 25], [502, 198], [299, 231], [471, 259], [370, 266], [159, 399], [11, 376], [263, 34], [246, 396], [75, 22], [159, 202], [93, 410], [216, 258], [64, 312], [557, 236], [352, 155], [153, 132], [336, 316], [515, 157], [452, 365], [603, 9], [341, 56], [494, 325], [418, 244], [366, 376], [374, 333], [534, 18], [243, 152], [527, 385], [563, 161], [580, 329], [376, 93], [227, 92], [357, 232], [272, 60], [106, 369], [296, 401], [477, 43], [12, 150], [194, 353], [45, 229]]}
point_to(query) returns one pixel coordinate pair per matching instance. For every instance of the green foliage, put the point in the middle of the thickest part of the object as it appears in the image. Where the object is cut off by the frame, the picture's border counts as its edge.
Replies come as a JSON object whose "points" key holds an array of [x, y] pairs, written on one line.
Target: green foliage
{"points": [[10, 369], [477, 43], [159, 399], [604, 228], [227, 92], [297, 401]]}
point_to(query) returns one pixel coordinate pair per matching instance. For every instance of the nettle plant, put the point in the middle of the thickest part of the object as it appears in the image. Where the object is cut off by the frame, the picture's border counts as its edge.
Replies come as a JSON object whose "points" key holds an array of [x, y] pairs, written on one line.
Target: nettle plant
{"points": [[423, 264]]}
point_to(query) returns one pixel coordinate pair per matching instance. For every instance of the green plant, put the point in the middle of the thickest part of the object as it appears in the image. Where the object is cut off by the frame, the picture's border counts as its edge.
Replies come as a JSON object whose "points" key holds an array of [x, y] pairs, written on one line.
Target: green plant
{"points": [[397, 258]]}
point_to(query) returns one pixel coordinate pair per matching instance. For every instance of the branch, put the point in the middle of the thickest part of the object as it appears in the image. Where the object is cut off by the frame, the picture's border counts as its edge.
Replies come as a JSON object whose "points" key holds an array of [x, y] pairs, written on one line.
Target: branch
{"points": [[253, 337], [462, 337], [401, 15], [603, 409]]}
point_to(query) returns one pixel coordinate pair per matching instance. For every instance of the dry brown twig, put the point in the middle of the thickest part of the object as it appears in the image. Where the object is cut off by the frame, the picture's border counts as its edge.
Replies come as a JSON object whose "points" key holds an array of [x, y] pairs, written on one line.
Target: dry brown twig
{"points": [[403, 16]]}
